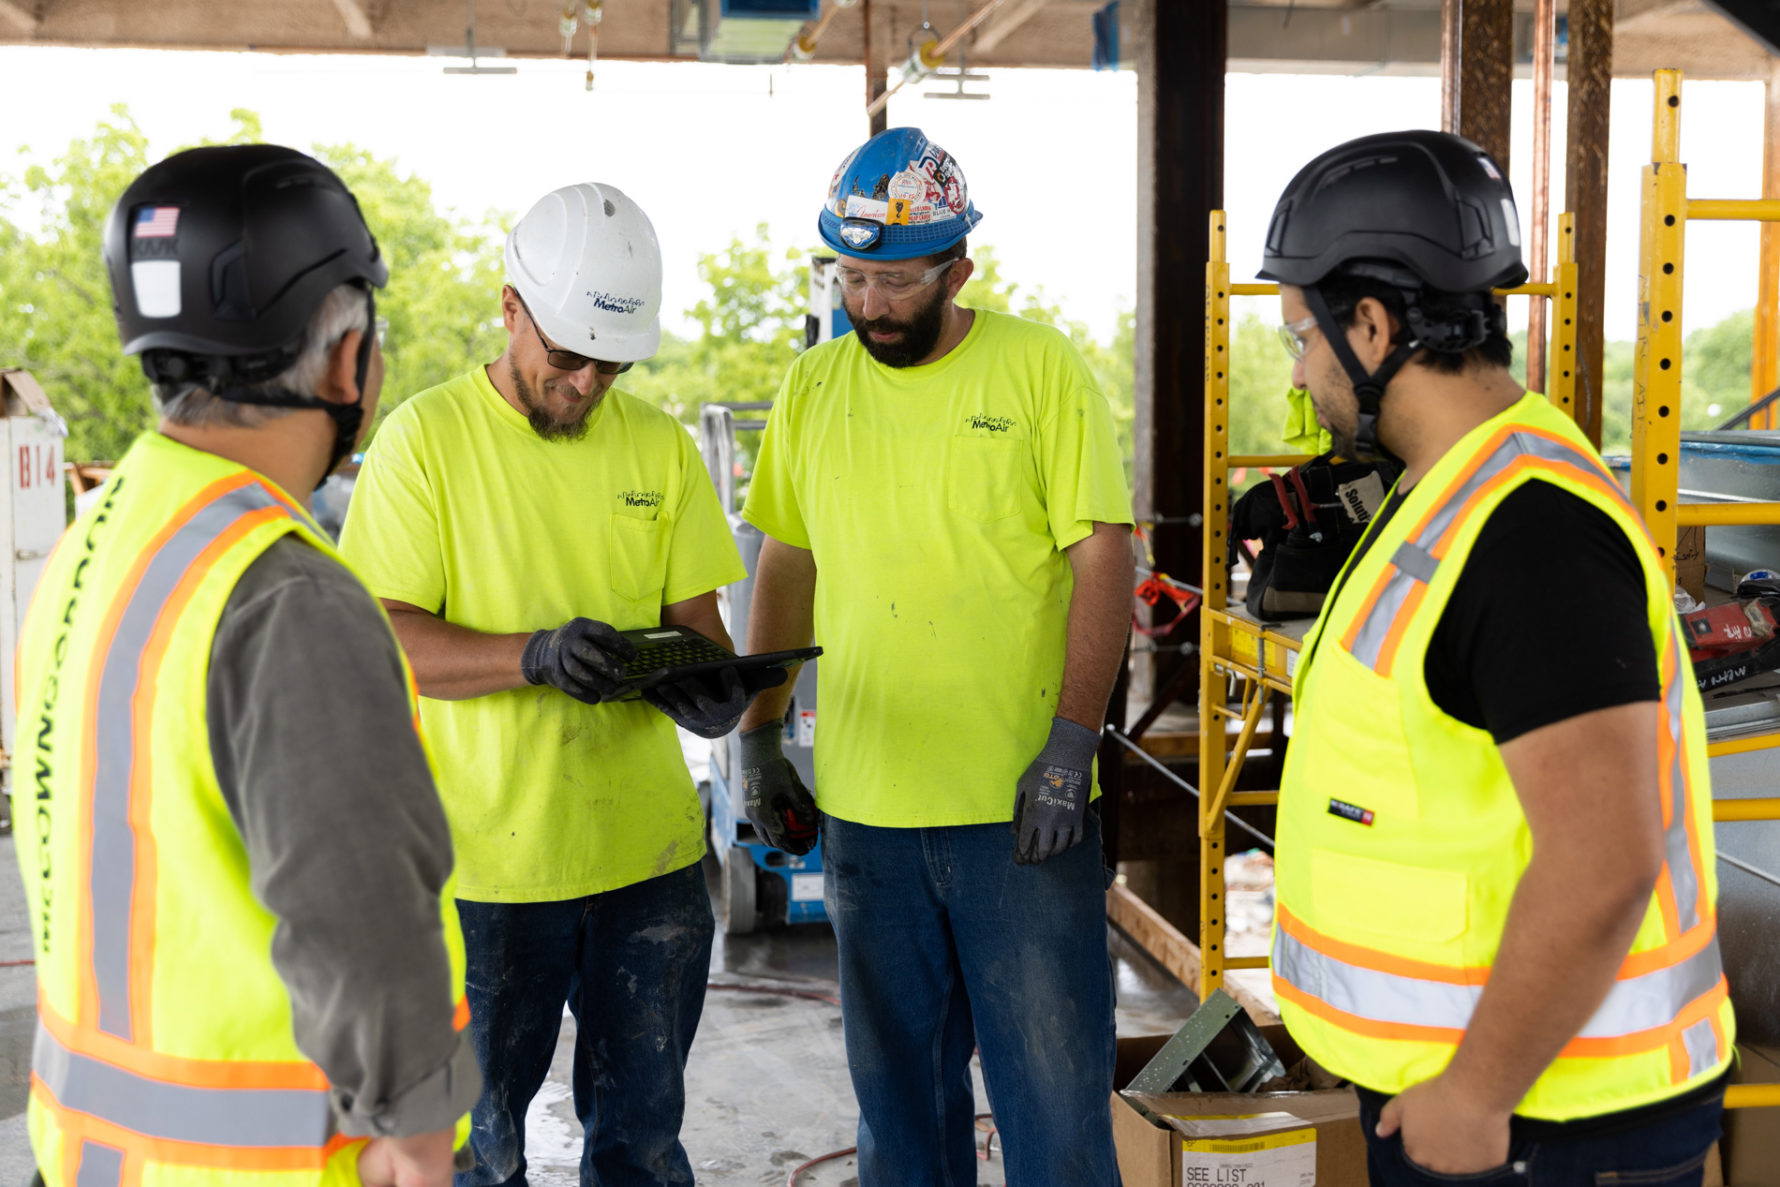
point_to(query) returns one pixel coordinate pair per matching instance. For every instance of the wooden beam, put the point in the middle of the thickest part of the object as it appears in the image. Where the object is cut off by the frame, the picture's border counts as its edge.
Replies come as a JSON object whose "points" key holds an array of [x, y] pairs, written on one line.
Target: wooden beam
{"points": [[1170, 949], [357, 21], [24, 17], [1154, 934], [1005, 22], [877, 66], [1631, 11], [1181, 61], [1589, 71], [1476, 72]]}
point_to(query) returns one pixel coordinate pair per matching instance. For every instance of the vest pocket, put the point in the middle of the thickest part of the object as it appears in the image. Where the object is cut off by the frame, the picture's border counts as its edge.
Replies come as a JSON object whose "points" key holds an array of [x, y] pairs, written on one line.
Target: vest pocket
{"points": [[1359, 894], [638, 557], [984, 477]]}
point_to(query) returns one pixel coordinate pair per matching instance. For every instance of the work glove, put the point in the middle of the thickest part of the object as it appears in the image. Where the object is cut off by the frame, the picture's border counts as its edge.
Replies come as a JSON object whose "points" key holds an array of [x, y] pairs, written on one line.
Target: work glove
{"points": [[1051, 797], [694, 705], [582, 657], [779, 806]]}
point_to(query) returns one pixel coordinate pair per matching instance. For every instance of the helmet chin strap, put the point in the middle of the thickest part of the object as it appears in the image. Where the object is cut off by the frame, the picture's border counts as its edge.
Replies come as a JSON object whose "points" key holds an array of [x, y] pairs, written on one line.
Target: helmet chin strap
{"points": [[347, 417], [1368, 387]]}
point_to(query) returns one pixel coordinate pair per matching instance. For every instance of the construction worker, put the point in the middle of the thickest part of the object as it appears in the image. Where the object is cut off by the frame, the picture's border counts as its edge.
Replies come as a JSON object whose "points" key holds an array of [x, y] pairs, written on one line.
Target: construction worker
{"points": [[236, 864], [946, 511], [514, 520], [1495, 867]]}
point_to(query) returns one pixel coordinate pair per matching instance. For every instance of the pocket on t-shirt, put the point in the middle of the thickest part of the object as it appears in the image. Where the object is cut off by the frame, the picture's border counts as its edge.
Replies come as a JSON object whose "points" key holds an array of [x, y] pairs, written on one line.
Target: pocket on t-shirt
{"points": [[638, 557], [984, 476]]}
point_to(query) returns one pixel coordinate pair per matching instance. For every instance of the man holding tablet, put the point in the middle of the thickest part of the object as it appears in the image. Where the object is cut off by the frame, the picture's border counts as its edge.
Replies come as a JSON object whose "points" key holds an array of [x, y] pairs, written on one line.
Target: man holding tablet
{"points": [[514, 521]]}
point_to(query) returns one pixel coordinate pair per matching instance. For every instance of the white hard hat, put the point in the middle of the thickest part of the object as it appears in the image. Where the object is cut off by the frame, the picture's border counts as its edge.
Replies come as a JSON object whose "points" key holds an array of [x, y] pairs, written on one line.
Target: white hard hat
{"points": [[586, 260]]}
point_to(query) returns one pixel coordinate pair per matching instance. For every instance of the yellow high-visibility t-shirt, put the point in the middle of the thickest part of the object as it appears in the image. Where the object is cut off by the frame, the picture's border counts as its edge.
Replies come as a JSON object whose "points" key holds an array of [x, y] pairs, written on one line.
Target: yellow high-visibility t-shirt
{"points": [[937, 501], [462, 510]]}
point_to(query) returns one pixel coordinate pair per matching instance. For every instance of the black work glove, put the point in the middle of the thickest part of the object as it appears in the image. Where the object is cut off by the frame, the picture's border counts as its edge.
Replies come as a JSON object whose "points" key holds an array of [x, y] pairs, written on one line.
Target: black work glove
{"points": [[779, 806], [711, 709], [1051, 798], [582, 657]]}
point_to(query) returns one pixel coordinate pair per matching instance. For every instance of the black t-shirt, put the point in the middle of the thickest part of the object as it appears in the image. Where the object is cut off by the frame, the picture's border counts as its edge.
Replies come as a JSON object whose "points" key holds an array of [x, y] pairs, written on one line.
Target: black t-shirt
{"points": [[1548, 620]]}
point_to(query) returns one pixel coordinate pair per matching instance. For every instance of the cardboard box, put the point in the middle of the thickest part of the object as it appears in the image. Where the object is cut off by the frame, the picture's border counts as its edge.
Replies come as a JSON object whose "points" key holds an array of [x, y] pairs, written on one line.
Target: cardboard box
{"points": [[1690, 560], [1284, 1139], [1751, 1143]]}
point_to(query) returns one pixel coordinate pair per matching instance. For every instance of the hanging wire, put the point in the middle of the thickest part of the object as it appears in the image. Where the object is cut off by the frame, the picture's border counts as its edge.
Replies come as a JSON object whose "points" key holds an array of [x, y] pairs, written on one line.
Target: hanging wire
{"points": [[1118, 736]]}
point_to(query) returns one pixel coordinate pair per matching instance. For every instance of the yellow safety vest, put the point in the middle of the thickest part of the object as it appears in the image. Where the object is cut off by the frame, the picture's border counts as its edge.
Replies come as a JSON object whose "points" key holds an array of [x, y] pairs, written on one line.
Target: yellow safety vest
{"points": [[164, 1051], [1401, 840]]}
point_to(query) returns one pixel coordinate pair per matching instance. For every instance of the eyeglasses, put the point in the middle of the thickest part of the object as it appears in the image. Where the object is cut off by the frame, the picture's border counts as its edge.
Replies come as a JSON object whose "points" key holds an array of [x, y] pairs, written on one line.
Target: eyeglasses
{"points": [[568, 360], [893, 287], [381, 326], [1296, 337]]}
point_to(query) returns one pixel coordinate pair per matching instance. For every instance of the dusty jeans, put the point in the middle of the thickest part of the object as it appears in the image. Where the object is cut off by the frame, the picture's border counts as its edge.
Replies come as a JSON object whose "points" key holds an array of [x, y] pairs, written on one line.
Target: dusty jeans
{"points": [[945, 945], [631, 964]]}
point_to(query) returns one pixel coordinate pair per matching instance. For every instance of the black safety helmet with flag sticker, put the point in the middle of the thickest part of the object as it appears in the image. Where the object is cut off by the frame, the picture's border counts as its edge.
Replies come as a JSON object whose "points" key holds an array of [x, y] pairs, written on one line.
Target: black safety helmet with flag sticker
{"points": [[1423, 212], [218, 259]]}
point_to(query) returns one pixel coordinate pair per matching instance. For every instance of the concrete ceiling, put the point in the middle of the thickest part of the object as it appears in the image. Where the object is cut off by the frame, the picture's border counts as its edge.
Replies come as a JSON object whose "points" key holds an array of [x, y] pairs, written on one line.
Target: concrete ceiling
{"points": [[1321, 36]]}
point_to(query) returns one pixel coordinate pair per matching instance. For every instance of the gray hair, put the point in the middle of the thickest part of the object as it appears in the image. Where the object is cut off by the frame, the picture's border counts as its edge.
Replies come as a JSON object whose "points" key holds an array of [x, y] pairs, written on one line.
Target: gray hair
{"points": [[343, 310]]}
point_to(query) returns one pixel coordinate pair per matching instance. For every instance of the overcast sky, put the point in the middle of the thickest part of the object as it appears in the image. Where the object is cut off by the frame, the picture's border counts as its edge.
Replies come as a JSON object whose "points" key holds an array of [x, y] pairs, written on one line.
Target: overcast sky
{"points": [[711, 150]]}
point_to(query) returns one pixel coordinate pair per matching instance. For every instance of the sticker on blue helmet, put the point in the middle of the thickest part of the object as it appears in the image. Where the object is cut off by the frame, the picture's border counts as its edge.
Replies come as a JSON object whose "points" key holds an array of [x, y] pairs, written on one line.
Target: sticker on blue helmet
{"points": [[860, 233]]}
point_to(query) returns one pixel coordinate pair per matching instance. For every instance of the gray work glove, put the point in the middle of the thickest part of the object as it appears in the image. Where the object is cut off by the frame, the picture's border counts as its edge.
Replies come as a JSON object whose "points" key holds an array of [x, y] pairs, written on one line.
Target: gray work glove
{"points": [[779, 806], [582, 657], [1051, 797], [711, 708]]}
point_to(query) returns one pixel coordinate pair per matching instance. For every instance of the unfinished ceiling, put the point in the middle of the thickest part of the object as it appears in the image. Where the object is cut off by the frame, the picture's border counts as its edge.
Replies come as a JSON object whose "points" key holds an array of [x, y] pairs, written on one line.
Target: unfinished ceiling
{"points": [[1334, 36]]}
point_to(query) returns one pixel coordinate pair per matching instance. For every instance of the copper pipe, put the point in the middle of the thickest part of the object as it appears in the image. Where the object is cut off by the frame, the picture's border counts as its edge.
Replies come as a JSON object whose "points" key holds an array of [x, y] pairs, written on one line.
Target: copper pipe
{"points": [[1544, 54]]}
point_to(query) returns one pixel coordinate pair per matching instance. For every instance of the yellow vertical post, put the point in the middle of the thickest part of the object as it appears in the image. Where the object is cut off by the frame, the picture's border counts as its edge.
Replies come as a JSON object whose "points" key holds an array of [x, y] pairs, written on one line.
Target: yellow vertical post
{"points": [[1561, 365], [1656, 367], [1217, 597], [1764, 370]]}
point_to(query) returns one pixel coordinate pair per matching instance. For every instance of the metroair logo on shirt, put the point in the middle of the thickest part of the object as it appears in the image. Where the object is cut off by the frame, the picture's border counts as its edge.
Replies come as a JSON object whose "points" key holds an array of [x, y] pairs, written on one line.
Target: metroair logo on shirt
{"points": [[640, 498], [992, 424]]}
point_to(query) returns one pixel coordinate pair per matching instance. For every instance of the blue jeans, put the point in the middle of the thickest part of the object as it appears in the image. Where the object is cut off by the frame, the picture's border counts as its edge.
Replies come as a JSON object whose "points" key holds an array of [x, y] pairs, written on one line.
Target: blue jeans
{"points": [[945, 945], [1670, 1152], [631, 964]]}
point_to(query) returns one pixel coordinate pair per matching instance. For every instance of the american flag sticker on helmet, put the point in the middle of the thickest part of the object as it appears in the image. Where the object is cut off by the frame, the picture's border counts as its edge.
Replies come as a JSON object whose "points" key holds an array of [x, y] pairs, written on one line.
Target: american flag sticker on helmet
{"points": [[156, 222]]}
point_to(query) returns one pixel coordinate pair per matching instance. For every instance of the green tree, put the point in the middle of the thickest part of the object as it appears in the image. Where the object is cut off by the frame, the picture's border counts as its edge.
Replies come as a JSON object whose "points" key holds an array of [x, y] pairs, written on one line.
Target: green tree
{"points": [[55, 299], [1260, 377], [750, 320], [445, 274], [750, 326]]}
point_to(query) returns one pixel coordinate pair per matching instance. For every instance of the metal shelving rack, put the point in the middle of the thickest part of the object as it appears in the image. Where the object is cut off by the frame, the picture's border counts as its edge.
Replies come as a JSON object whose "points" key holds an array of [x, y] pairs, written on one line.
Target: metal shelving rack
{"points": [[1260, 658]]}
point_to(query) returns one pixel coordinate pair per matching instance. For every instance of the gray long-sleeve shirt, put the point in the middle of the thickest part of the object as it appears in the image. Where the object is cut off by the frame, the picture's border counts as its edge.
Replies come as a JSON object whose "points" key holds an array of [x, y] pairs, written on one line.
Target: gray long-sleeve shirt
{"points": [[314, 745]]}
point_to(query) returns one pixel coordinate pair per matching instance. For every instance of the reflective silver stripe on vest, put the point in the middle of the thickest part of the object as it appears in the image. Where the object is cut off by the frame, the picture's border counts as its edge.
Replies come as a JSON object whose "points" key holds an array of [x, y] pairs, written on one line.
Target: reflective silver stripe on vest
{"points": [[1634, 1004], [243, 1118], [114, 839], [1418, 563], [1701, 1042], [100, 1166], [1369, 639], [1675, 847]]}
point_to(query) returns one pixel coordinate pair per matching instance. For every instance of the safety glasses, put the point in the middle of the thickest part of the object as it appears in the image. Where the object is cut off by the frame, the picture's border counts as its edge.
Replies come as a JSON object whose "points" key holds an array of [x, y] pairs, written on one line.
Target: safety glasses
{"points": [[893, 286], [1296, 337], [568, 360]]}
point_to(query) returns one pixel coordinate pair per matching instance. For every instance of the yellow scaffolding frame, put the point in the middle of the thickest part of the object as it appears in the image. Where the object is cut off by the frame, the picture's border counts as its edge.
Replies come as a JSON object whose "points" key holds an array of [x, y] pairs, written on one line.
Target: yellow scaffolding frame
{"points": [[1233, 647]]}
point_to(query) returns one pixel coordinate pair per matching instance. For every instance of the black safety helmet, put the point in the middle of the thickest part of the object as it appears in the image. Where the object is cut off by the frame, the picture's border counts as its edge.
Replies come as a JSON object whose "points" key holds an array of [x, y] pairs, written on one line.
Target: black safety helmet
{"points": [[218, 259], [1417, 210]]}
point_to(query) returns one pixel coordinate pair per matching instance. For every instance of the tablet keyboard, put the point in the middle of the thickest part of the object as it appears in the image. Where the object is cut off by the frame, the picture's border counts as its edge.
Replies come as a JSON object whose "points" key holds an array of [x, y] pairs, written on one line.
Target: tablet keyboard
{"points": [[674, 652]]}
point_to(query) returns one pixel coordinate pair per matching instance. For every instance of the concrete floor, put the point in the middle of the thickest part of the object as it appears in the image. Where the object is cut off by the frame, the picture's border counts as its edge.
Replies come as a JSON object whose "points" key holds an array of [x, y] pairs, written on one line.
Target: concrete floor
{"points": [[767, 1085]]}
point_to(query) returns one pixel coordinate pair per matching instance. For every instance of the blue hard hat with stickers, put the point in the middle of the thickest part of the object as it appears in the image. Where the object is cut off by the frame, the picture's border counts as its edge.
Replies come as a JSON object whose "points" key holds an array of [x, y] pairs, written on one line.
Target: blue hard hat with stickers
{"points": [[898, 196]]}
